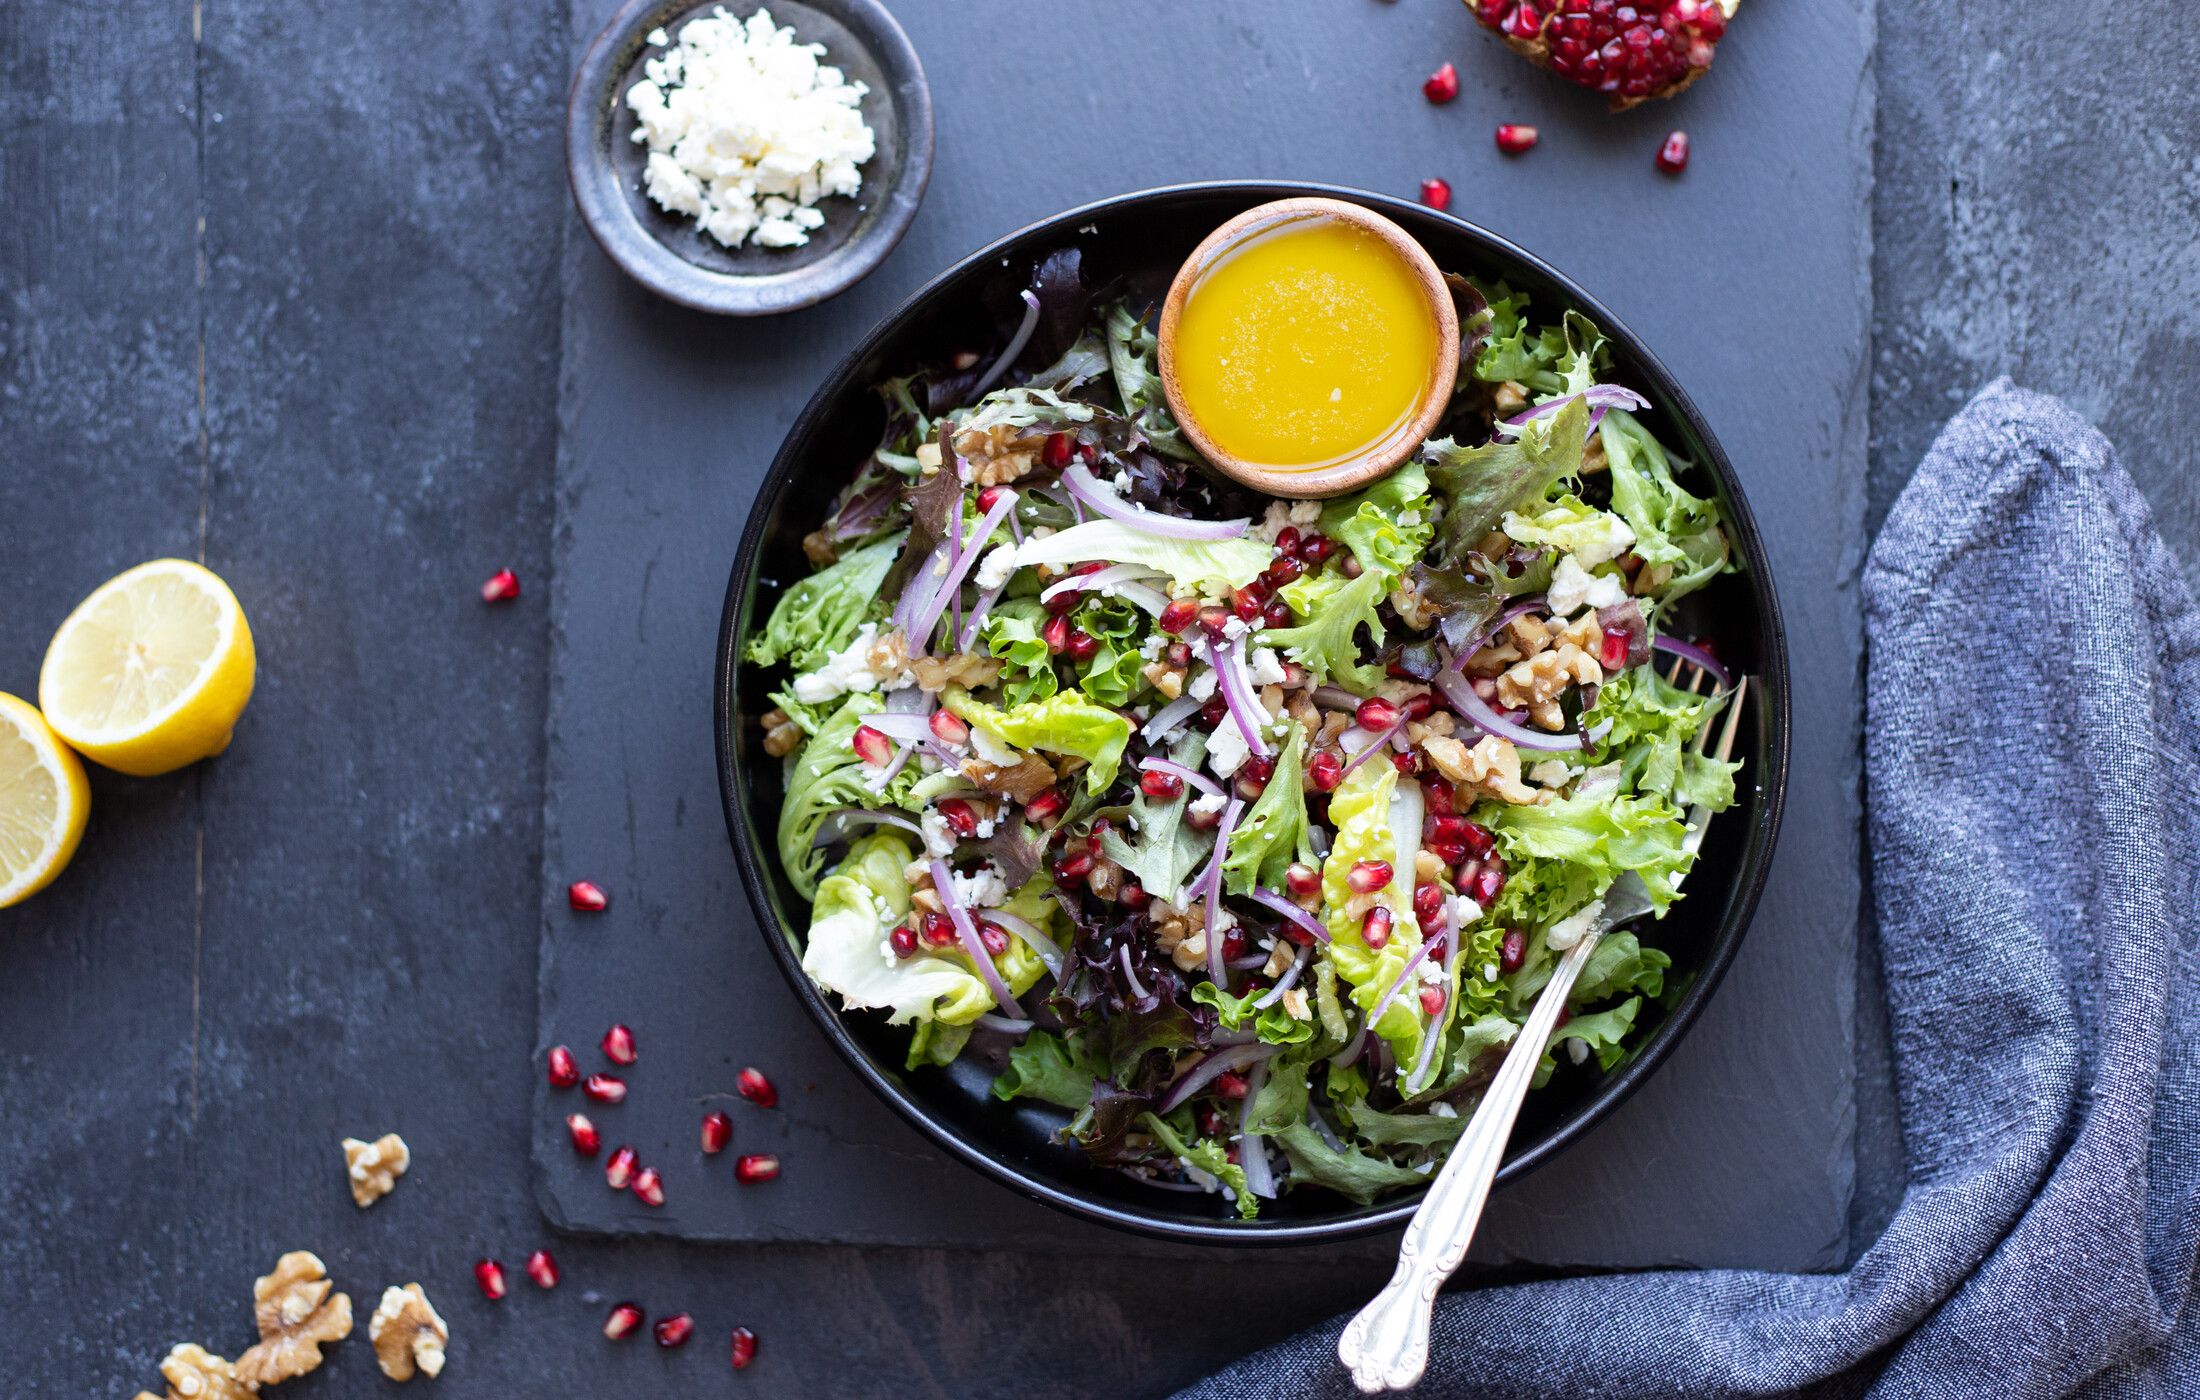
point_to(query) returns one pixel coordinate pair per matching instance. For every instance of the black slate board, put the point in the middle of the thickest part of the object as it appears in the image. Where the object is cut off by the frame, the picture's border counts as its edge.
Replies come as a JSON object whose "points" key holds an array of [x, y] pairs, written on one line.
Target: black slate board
{"points": [[1749, 276]]}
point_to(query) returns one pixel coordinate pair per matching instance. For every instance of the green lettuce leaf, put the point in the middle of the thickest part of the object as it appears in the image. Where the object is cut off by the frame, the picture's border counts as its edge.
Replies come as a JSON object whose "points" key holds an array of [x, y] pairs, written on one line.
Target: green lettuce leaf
{"points": [[819, 615], [1279, 1113], [1271, 1024], [1209, 566], [1045, 1067], [1273, 832], [1604, 1032], [1134, 354], [1372, 524], [935, 1043], [1066, 723], [1328, 641], [1011, 632], [1599, 836], [1515, 350], [1166, 850], [1706, 781], [1618, 965], [1360, 811], [826, 774], [1112, 675], [1592, 536], [845, 952], [1674, 529], [1403, 1129], [1482, 484], [1205, 1155]]}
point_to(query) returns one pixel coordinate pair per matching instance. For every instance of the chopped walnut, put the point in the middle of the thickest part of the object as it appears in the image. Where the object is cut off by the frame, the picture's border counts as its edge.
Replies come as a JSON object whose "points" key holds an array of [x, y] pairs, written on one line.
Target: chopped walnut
{"points": [[1167, 679], [194, 1373], [1414, 609], [408, 1334], [1534, 684], [1651, 579], [1585, 632], [1023, 781], [1494, 658], [887, 657], [373, 1167], [782, 736], [1428, 867], [1301, 707], [1294, 1001], [1509, 397], [1437, 722], [999, 454], [1190, 954], [818, 546], [1492, 766], [965, 668], [1105, 879], [1271, 700], [1528, 634], [1279, 957], [1592, 456], [1334, 725], [296, 1313]]}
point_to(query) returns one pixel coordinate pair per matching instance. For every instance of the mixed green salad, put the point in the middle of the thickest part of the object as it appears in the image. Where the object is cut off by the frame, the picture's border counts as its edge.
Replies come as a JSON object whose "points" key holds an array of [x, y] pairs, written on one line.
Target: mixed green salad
{"points": [[1233, 828]]}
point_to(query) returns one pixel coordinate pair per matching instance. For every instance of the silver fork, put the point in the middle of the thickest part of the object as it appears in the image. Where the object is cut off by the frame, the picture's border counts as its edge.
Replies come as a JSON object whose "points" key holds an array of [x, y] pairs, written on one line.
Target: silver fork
{"points": [[1385, 1346]]}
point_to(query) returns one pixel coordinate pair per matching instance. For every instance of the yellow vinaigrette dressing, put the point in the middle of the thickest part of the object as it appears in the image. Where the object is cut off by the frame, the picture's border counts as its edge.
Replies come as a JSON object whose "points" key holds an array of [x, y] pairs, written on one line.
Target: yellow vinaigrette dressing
{"points": [[1305, 346]]}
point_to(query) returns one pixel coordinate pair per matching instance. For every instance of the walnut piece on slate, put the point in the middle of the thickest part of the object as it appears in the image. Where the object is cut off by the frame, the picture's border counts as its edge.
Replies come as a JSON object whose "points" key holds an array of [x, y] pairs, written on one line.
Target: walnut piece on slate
{"points": [[408, 1334], [296, 1313], [194, 1373], [373, 1167]]}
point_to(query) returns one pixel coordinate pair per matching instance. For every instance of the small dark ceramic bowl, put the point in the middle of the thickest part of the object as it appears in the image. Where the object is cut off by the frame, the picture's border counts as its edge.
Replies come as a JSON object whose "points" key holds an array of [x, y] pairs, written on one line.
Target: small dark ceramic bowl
{"points": [[668, 253], [1140, 239]]}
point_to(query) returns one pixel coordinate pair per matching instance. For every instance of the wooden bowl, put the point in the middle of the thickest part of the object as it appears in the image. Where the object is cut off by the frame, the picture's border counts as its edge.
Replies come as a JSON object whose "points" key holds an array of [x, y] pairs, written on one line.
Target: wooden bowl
{"points": [[1352, 472]]}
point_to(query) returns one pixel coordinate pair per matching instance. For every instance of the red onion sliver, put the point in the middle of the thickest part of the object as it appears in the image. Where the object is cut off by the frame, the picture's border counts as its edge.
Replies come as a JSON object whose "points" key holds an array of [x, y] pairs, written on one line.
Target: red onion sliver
{"points": [[1597, 396], [1237, 693], [1477, 712], [1130, 978], [1374, 743], [951, 586], [1695, 656], [1015, 347], [1086, 488], [943, 884], [837, 824], [1292, 912], [1283, 983], [1404, 974], [1178, 770], [1001, 1023], [1212, 893], [1097, 581], [1050, 952], [922, 585], [1170, 718], [1200, 1075]]}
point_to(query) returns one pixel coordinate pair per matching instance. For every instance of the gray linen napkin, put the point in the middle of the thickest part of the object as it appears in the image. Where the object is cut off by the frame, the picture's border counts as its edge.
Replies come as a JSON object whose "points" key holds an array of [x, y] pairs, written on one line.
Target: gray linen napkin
{"points": [[2033, 757]]}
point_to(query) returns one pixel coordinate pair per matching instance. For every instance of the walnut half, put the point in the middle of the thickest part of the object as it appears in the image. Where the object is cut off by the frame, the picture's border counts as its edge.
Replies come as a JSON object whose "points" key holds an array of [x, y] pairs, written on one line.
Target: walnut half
{"points": [[408, 1334], [193, 1373], [296, 1313], [373, 1167]]}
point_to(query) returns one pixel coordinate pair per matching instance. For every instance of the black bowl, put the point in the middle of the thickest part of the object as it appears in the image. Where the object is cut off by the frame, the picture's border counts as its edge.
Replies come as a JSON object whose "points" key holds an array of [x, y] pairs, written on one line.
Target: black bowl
{"points": [[1142, 237]]}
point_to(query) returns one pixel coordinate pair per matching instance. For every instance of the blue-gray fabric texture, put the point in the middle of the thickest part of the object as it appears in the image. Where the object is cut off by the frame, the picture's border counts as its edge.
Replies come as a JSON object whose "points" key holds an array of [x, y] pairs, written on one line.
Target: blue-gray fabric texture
{"points": [[2033, 766]]}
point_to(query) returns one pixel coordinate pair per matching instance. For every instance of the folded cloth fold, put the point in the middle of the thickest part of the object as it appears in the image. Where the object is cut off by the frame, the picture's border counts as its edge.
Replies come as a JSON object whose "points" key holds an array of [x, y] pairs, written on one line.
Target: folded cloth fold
{"points": [[2033, 771]]}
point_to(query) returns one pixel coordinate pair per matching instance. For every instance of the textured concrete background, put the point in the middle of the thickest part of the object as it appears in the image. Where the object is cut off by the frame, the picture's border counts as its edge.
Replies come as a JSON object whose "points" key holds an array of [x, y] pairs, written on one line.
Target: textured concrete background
{"points": [[380, 397]]}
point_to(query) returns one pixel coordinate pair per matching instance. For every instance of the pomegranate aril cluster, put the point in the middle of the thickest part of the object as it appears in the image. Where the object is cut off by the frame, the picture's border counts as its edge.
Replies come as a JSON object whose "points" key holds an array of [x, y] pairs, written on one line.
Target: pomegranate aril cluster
{"points": [[1628, 52]]}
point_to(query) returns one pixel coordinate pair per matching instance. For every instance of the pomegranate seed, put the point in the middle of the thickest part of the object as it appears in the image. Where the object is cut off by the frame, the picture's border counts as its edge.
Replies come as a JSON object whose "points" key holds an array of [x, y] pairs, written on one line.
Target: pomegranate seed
{"points": [[1083, 646], [604, 1088], [1179, 655], [1046, 808], [1133, 895], [564, 1074], [1442, 85], [1614, 651], [1276, 614], [618, 1173], [1417, 706], [1673, 155], [1178, 615], [874, 748], [1513, 951], [1478, 839], [1368, 876], [1158, 784], [1248, 602], [1288, 540], [1428, 900], [586, 1140], [1375, 929], [1436, 194], [989, 498], [1230, 1085], [674, 1330], [939, 930], [1064, 603], [1302, 880], [1057, 451], [622, 1320], [1407, 763], [757, 1166], [1056, 634], [490, 1275], [904, 941], [717, 1132], [1432, 1001], [1524, 23], [1233, 943], [1325, 770], [1214, 620], [1487, 884], [1375, 715], [1449, 852], [587, 896], [1208, 1120], [992, 937], [756, 1088], [949, 728], [542, 1269], [1202, 819], [1072, 868], [744, 1348], [618, 1045], [1316, 548], [1283, 571], [1439, 793], [1249, 785], [960, 816], [649, 1186], [502, 587], [1514, 138]]}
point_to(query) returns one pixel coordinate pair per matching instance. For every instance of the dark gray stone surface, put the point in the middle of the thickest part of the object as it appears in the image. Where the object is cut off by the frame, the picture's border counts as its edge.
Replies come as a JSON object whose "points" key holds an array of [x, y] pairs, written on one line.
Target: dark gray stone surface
{"points": [[1739, 1151]]}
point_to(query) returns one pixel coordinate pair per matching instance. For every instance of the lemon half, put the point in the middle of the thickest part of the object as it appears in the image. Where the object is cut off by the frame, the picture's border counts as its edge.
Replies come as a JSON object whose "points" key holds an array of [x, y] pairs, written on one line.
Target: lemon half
{"points": [[43, 802], [151, 671]]}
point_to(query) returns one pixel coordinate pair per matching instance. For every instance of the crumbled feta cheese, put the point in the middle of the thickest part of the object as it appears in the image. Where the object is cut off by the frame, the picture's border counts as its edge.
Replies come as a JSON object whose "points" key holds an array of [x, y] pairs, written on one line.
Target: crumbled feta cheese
{"points": [[1227, 750], [986, 826], [1577, 1050], [995, 568], [1464, 910], [1202, 686], [844, 671], [1270, 523], [984, 890], [1407, 519], [1489, 972], [747, 130], [1264, 667], [1235, 627], [1572, 587], [1151, 648], [1551, 773], [939, 837], [1574, 927], [1205, 805], [1304, 513]]}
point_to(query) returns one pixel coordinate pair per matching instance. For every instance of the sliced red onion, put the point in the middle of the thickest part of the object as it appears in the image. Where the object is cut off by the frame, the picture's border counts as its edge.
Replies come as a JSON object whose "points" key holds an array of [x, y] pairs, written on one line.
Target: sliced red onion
{"points": [[1002, 1023], [1237, 692], [918, 594], [1374, 744], [1476, 711], [1130, 977], [969, 633], [1695, 656], [1597, 396], [903, 728], [1284, 983], [1252, 1152], [878, 782], [1220, 1062], [839, 823], [1248, 962], [1170, 718], [1489, 634], [1405, 974], [1050, 952], [1211, 892], [1016, 344], [958, 567], [943, 885], [1292, 912], [1178, 770], [1098, 580], [1087, 488]]}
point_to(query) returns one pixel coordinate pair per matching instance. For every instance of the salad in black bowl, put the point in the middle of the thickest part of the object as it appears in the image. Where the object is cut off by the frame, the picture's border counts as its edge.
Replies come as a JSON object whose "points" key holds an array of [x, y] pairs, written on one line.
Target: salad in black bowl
{"points": [[1228, 838]]}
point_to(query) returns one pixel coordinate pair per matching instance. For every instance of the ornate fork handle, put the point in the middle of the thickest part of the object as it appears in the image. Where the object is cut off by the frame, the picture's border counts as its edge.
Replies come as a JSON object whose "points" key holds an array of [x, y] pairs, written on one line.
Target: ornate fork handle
{"points": [[1386, 1345]]}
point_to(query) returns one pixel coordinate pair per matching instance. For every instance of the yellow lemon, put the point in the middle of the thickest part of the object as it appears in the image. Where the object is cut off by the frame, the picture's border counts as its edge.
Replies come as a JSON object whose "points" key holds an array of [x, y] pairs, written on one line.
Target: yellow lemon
{"points": [[43, 802], [151, 671]]}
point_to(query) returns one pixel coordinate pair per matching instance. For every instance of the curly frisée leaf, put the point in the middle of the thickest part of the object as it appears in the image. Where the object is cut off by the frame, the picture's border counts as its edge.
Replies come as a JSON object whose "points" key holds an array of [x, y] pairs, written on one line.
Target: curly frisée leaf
{"points": [[1212, 566], [817, 616], [845, 952], [1336, 612], [1481, 484], [1207, 1156], [1066, 723], [1133, 355], [1044, 1067]]}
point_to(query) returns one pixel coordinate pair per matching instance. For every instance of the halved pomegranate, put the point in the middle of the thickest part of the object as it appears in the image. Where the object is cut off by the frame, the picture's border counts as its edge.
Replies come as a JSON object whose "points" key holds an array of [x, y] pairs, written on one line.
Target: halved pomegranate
{"points": [[1630, 52]]}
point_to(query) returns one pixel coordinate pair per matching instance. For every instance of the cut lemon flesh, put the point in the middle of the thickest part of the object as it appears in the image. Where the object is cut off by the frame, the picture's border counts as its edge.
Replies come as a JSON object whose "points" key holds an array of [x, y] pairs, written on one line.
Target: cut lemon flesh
{"points": [[151, 671], [43, 802]]}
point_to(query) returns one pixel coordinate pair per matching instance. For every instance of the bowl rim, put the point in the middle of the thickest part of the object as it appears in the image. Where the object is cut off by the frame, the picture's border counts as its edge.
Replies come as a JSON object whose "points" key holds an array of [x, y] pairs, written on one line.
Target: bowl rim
{"points": [[1724, 942], [652, 264]]}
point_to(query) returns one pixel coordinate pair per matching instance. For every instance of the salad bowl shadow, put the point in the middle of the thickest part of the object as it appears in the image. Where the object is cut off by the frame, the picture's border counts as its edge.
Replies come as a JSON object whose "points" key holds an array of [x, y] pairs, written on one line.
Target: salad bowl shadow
{"points": [[1136, 242]]}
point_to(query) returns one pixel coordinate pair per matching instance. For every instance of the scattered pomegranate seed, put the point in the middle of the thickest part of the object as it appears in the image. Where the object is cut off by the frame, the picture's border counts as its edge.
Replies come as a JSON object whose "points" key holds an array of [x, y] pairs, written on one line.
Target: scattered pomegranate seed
{"points": [[1513, 951], [1417, 706], [992, 937], [1230, 1085], [1673, 155], [587, 896], [962, 360], [960, 816], [1613, 653], [1302, 879], [1316, 548], [1375, 715], [1407, 763], [755, 1167], [1046, 808], [949, 727], [490, 1275], [1436, 194], [1200, 818], [1233, 943], [1487, 884], [502, 587], [1290, 537], [604, 1088], [1214, 620], [1375, 929], [1133, 895], [1439, 793], [618, 1173], [618, 1045], [1083, 646], [1515, 137], [542, 1269], [1284, 571], [1432, 1001], [903, 940], [1277, 614], [1428, 900], [1055, 634], [564, 1074], [939, 930], [673, 1331], [1485, 688], [1179, 655], [1056, 452], [1368, 876], [989, 497], [1478, 839], [586, 1140], [1325, 770], [744, 1348], [1178, 615], [649, 1186], [874, 748], [1072, 868], [756, 1088], [1158, 784], [622, 1321], [1442, 85]]}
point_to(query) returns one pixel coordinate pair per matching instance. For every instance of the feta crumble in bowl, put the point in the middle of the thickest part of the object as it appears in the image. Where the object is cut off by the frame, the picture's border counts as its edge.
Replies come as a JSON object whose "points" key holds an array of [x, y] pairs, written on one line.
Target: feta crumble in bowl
{"points": [[745, 158]]}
